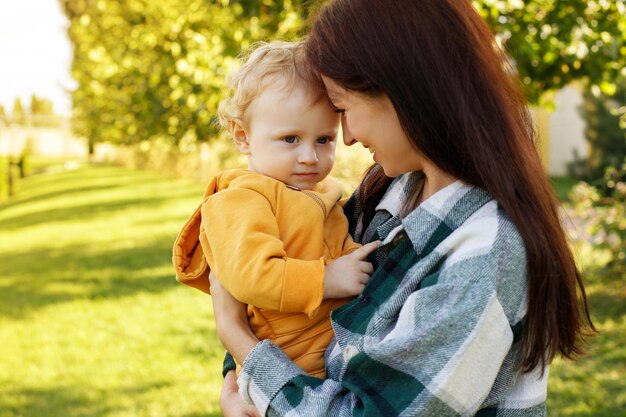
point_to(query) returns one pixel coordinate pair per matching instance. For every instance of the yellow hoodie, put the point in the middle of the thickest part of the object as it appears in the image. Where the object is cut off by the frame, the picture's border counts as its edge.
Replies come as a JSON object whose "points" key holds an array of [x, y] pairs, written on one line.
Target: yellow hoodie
{"points": [[268, 244]]}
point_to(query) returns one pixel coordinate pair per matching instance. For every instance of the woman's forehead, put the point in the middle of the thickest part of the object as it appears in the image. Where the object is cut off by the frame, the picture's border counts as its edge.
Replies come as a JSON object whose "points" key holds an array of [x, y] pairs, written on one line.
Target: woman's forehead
{"points": [[334, 90]]}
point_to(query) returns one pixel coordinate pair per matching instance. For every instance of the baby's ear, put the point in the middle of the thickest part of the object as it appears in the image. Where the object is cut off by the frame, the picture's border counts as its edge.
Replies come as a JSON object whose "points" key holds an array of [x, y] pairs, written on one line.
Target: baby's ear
{"points": [[240, 136]]}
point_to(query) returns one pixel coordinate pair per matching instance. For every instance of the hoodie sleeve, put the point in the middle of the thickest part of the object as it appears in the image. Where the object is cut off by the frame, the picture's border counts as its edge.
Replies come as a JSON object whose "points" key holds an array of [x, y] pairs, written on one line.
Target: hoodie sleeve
{"points": [[189, 262], [241, 242]]}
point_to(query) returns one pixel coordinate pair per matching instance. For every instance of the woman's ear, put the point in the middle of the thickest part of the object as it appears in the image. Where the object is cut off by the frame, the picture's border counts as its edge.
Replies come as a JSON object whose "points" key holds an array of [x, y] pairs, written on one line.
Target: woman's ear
{"points": [[240, 136]]}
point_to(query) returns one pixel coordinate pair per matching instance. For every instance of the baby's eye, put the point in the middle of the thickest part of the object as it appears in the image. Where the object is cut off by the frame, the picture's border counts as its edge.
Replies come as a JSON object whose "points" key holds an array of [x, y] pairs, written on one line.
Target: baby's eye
{"points": [[323, 140], [291, 139], [340, 111]]}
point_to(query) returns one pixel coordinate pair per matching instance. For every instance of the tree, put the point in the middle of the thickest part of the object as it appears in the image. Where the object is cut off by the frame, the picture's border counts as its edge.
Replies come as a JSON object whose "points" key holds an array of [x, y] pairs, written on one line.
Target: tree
{"points": [[41, 106], [553, 42], [168, 74], [42, 111], [604, 132], [18, 114], [157, 68]]}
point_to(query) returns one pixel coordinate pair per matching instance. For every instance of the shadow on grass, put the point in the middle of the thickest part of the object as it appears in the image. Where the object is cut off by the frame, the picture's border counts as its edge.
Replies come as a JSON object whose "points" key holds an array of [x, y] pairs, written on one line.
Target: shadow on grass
{"points": [[72, 402], [89, 211], [92, 181], [68, 179], [53, 401], [36, 279], [51, 195], [608, 300]]}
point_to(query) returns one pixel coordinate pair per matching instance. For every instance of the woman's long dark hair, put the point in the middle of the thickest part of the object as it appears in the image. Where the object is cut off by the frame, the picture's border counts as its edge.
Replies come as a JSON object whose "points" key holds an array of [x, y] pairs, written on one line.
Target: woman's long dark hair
{"points": [[462, 107]]}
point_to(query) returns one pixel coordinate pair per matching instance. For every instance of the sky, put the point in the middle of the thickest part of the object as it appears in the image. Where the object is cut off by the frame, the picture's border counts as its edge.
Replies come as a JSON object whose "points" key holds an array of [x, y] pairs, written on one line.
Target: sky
{"points": [[35, 53]]}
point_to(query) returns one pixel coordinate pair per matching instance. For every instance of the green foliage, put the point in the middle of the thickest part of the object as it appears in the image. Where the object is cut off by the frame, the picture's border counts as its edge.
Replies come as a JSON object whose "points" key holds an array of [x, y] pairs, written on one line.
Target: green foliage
{"points": [[42, 111], [605, 133], [201, 161], [553, 42], [41, 106], [603, 218], [18, 114], [562, 187], [157, 68]]}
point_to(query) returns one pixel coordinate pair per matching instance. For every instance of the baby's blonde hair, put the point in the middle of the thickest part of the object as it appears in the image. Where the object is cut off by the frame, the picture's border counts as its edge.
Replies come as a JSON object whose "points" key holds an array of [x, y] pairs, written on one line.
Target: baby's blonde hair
{"points": [[277, 64]]}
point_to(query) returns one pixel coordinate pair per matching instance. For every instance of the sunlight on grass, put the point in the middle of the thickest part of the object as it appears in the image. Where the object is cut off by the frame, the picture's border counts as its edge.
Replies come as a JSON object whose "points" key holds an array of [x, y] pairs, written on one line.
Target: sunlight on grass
{"points": [[91, 318], [125, 352]]}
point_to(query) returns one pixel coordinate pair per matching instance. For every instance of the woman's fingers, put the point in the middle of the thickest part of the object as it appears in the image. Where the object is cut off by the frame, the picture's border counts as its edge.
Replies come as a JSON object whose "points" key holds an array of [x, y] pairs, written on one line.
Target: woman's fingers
{"points": [[231, 402]]}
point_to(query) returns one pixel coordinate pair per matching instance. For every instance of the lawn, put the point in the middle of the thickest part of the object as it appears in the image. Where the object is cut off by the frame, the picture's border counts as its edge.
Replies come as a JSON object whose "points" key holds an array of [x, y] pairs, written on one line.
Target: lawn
{"points": [[92, 322]]}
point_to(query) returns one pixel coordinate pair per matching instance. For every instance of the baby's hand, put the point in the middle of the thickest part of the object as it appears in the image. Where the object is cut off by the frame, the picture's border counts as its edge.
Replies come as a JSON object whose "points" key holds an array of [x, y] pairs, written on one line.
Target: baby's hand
{"points": [[347, 276]]}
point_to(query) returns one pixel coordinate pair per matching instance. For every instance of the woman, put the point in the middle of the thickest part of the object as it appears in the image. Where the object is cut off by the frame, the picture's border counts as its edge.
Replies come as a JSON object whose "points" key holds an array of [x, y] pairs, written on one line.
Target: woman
{"points": [[475, 289]]}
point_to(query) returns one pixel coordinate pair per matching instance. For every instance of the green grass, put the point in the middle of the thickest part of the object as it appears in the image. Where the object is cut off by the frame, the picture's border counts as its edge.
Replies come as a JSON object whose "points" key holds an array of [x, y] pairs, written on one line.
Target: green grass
{"points": [[92, 322], [595, 386]]}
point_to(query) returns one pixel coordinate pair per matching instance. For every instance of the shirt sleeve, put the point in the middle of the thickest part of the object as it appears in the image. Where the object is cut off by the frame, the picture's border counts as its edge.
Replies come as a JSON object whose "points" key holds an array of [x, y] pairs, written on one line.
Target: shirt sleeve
{"points": [[228, 364], [241, 241], [442, 357]]}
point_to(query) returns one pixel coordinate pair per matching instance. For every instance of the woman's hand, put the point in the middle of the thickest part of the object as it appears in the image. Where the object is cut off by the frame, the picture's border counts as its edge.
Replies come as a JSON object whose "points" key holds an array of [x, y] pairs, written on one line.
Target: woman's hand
{"points": [[231, 320], [231, 402]]}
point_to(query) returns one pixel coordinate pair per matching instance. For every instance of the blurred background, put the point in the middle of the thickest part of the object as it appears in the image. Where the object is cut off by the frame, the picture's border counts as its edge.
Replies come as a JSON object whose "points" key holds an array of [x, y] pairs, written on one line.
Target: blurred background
{"points": [[107, 135]]}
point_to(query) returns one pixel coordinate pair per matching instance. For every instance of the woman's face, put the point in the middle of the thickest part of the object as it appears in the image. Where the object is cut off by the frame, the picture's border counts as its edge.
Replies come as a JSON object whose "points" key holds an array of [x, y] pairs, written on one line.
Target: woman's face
{"points": [[374, 123]]}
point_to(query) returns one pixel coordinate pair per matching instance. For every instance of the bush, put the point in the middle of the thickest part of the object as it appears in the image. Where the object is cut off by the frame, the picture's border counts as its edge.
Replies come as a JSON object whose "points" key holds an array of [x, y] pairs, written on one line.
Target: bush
{"points": [[603, 214], [188, 159], [605, 133]]}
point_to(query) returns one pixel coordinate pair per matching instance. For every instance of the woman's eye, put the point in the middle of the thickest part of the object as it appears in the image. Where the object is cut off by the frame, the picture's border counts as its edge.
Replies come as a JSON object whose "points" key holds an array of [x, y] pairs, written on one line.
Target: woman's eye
{"points": [[290, 139], [323, 140]]}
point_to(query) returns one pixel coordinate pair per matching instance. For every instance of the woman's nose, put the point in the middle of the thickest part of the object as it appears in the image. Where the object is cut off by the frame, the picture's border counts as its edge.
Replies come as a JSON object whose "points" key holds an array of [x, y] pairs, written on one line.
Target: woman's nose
{"points": [[347, 136]]}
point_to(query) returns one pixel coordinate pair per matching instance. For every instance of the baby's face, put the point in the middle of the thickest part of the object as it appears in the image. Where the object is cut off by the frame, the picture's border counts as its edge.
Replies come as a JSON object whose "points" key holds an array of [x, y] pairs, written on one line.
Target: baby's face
{"points": [[290, 139]]}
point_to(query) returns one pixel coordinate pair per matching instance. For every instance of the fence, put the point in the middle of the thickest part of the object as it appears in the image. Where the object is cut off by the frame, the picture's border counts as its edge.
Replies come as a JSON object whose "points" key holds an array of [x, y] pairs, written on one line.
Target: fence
{"points": [[41, 135], [48, 136]]}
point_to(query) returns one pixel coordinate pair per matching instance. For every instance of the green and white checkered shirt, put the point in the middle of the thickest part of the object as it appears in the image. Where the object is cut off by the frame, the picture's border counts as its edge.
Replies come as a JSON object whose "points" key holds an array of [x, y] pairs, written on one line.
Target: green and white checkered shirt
{"points": [[436, 332]]}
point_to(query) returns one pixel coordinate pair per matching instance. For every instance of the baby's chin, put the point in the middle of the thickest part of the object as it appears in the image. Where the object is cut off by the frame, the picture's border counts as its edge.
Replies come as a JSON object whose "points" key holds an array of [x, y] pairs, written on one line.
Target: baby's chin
{"points": [[306, 183], [301, 186]]}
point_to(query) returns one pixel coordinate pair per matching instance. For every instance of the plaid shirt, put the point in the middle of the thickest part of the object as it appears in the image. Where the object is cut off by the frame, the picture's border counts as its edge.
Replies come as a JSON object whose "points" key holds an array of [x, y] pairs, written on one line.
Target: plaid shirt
{"points": [[436, 332]]}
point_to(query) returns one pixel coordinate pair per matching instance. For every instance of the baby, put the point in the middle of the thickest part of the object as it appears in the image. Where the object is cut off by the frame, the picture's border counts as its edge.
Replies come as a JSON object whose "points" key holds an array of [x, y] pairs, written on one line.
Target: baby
{"points": [[274, 234]]}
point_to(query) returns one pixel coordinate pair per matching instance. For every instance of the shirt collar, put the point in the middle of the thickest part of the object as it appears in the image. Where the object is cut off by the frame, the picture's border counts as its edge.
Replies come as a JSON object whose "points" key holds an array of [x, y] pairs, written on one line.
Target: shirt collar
{"points": [[399, 191], [450, 206]]}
